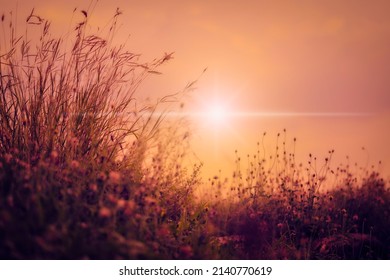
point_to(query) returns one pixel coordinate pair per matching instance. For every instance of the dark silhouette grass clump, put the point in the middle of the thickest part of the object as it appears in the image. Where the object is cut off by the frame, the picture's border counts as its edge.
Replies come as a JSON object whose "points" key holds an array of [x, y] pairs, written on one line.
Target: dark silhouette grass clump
{"points": [[87, 172]]}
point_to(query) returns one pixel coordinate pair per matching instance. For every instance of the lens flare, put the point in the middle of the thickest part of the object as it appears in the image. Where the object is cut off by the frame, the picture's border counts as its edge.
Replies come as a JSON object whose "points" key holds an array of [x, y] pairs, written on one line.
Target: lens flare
{"points": [[217, 114]]}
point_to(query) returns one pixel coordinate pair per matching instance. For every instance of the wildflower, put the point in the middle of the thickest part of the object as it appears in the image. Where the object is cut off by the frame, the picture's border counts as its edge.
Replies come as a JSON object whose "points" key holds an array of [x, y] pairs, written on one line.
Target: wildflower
{"points": [[104, 212], [186, 251], [130, 206], [114, 177], [279, 225], [111, 198], [121, 203], [93, 187], [355, 217], [163, 231], [74, 141], [54, 155], [74, 164]]}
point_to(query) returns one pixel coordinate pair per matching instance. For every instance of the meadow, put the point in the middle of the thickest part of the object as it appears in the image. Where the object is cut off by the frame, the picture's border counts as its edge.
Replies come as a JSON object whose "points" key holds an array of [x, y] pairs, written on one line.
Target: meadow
{"points": [[87, 171]]}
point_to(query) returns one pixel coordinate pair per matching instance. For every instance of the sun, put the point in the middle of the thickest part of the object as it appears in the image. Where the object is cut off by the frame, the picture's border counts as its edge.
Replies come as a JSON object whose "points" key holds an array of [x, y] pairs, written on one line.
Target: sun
{"points": [[217, 114]]}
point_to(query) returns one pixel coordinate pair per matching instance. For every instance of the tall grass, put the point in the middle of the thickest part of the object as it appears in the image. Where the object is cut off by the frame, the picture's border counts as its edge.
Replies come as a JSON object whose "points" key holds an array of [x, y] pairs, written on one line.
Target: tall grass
{"points": [[87, 171], [76, 101]]}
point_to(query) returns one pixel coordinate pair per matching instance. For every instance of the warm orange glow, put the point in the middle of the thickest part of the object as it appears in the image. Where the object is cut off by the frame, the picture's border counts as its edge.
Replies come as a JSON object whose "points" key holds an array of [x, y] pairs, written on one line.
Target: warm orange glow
{"points": [[315, 57], [217, 115], [195, 130]]}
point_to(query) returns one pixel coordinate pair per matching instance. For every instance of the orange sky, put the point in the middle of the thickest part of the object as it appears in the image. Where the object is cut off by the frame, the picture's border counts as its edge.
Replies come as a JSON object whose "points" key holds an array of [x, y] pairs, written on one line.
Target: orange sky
{"points": [[262, 56]]}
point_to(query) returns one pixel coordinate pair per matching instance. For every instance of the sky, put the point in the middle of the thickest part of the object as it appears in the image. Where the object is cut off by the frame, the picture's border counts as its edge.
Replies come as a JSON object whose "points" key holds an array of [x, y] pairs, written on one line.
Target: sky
{"points": [[316, 68]]}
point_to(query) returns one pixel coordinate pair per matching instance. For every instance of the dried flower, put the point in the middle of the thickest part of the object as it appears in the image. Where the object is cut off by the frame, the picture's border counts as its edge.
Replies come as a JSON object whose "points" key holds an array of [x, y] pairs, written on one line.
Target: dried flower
{"points": [[74, 164], [104, 212], [130, 206], [186, 250], [163, 231], [121, 203], [54, 155], [114, 177], [74, 141], [93, 187]]}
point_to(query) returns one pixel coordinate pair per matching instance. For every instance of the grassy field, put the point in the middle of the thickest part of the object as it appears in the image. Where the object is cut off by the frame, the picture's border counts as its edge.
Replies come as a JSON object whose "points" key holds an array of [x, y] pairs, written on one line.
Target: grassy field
{"points": [[87, 172]]}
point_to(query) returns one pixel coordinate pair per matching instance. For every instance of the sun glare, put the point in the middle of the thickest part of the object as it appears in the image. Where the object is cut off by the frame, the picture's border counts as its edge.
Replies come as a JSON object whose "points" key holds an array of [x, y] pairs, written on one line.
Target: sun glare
{"points": [[217, 114]]}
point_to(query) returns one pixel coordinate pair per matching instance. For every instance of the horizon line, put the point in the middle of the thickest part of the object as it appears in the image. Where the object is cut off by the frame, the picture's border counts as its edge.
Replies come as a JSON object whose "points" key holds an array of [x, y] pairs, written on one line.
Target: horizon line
{"points": [[268, 114]]}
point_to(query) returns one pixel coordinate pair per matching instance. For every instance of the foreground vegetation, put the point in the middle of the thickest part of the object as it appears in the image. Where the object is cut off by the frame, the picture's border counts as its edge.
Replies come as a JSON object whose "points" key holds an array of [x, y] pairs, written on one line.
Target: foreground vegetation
{"points": [[279, 209], [86, 172]]}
